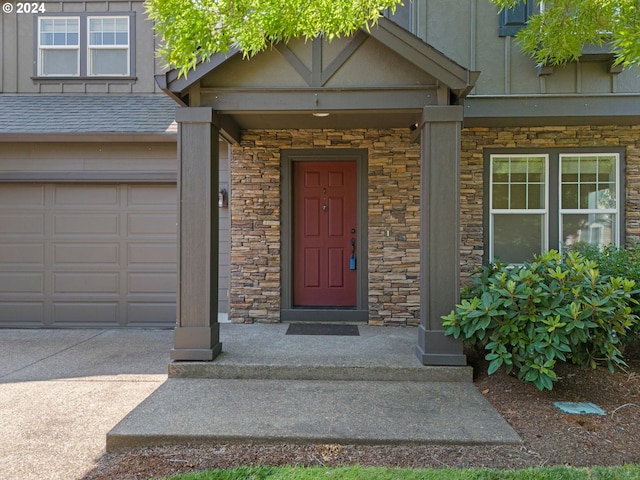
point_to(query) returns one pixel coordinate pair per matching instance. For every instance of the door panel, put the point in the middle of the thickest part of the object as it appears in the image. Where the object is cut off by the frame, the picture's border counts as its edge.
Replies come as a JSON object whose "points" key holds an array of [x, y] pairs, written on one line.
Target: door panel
{"points": [[324, 215], [87, 254]]}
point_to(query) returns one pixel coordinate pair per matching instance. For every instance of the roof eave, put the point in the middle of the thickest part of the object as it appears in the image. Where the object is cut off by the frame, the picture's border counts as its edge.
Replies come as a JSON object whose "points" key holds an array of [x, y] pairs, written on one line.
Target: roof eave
{"points": [[457, 78], [178, 85], [112, 137]]}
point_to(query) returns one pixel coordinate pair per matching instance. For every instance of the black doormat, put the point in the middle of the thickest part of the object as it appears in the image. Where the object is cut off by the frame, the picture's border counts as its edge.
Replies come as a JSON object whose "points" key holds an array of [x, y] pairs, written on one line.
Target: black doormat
{"points": [[322, 329]]}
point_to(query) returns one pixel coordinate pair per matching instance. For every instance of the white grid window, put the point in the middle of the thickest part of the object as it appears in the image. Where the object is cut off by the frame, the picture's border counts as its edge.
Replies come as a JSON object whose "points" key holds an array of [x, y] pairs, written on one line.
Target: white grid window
{"points": [[518, 207], [59, 46], [108, 46], [589, 199], [543, 201]]}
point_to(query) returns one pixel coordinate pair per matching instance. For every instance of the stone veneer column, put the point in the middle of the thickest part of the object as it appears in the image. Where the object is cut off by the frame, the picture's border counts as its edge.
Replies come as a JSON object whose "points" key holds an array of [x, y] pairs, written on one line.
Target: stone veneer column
{"points": [[197, 333], [440, 233]]}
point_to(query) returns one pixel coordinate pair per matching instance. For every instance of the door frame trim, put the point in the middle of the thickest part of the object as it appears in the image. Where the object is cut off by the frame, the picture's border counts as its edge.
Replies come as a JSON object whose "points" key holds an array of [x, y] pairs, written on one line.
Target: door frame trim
{"points": [[361, 312]]}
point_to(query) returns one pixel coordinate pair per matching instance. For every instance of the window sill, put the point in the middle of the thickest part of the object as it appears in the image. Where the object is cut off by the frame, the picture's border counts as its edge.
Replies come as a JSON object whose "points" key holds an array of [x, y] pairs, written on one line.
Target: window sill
{"points": [[590, 53], [84, 79]]}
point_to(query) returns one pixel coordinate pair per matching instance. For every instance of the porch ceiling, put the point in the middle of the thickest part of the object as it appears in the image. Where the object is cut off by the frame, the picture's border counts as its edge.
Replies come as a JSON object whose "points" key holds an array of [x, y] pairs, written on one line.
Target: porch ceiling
{"points": [[336, 119]]}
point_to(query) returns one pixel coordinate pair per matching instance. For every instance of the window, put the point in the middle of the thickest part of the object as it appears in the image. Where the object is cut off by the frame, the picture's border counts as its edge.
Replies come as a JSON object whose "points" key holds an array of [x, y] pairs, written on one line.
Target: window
{"points": [[512, 20], [59, 47], [109, 46], [588, 210], [518, 206], [548, 201], [84, 46]]}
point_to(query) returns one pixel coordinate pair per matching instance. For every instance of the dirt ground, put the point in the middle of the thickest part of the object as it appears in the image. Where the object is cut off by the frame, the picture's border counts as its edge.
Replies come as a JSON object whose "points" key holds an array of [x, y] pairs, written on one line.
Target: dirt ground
{"points": [[550, 437]]}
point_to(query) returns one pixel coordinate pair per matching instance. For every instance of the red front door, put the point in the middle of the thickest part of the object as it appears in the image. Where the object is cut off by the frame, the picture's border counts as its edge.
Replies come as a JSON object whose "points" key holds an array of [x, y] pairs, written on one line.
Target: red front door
{"points": [[324, 234]]}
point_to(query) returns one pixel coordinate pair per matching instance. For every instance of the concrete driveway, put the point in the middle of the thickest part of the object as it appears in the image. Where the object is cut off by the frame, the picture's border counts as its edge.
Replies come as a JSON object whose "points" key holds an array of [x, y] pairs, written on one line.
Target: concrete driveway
{"points": [[61, 391]]}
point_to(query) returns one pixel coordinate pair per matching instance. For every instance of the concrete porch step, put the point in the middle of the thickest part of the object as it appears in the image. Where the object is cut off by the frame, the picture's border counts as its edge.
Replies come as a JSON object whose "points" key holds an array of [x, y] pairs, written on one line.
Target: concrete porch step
{"points": [[219, 370], [266, 352], [213, 411]]}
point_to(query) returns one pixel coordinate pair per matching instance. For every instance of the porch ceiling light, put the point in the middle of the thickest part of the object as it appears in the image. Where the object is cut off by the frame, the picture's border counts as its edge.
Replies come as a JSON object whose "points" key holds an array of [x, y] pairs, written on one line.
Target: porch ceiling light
{"points": [[321, 114]]}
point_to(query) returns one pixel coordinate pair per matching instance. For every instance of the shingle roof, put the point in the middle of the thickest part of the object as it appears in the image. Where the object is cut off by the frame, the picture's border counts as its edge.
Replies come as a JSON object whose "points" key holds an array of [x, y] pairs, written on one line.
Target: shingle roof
{"points": [[51, 114]]}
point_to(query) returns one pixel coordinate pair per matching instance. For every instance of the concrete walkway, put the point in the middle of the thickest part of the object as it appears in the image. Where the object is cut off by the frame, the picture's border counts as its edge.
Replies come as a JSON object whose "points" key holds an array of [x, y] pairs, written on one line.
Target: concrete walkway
{"points": [[63, 392], [271, 387]]}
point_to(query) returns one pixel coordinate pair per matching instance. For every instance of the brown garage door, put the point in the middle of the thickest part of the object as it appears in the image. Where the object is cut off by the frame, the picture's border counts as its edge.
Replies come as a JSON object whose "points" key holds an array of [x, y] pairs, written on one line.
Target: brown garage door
{"points": [[87, 255]]}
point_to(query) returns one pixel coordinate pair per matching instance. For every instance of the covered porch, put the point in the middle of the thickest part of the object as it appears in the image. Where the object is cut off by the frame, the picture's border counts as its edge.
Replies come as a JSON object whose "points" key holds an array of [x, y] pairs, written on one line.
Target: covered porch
{"points": [[378, 98]]}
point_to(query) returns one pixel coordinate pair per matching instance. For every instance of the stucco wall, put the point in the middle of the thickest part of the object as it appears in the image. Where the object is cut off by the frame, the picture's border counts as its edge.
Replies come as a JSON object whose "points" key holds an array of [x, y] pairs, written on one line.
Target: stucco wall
{"points": [[475, 140], [393, 211]]}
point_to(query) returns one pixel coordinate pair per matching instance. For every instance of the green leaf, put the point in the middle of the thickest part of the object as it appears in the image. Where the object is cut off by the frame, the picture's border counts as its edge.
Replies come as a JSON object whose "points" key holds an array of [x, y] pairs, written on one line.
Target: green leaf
{"points": [[494, 365], [532, 375], [544, 382]]}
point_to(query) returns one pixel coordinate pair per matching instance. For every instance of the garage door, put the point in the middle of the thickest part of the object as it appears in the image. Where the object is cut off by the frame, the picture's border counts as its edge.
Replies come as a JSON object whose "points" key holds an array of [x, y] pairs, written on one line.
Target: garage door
{"points": [[87, 255]]}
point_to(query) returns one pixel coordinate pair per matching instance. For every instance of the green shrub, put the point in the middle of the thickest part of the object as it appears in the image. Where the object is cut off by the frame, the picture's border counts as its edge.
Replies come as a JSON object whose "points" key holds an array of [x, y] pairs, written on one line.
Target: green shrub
{"points": [[616, 262], [528, 317]]}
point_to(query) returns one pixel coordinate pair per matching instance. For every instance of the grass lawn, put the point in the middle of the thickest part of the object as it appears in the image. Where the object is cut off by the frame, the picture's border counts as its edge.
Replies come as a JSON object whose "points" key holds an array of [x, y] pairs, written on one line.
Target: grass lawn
{"points": [[371, 473]]}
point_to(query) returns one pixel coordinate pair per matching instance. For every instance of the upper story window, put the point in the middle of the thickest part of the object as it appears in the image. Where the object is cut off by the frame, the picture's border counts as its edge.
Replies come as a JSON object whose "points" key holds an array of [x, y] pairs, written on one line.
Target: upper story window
{"points": [[552, 200], [109, 46], [512, 20], [84, 46], [59, 47]]}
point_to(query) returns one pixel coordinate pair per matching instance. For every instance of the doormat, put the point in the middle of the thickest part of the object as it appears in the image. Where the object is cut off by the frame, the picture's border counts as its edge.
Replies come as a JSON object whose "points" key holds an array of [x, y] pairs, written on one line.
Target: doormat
{"points": [[579, 408], [322, 329]]}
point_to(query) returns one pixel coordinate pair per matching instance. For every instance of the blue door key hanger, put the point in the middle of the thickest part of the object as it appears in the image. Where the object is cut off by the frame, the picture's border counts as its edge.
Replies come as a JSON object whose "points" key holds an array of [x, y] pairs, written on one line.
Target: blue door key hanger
{"points": [[352, 259]]}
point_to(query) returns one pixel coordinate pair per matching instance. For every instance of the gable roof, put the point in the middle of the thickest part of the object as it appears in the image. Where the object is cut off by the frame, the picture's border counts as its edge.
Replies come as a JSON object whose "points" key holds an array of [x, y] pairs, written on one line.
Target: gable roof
{"points": [[50, 115], [400, 41]]}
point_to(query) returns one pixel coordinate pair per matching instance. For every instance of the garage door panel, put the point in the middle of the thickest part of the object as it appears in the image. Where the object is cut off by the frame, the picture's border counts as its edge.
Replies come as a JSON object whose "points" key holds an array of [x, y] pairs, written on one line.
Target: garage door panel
{"points": [[152, 253], [80, 283], [28, 254], [21, 283], [144, 313], [21, 225], [84, 224], [96, 313], [75, 253], [152, 196], [152, 224], [18, 313], [86, 196], [152, 283], [23, 196]]}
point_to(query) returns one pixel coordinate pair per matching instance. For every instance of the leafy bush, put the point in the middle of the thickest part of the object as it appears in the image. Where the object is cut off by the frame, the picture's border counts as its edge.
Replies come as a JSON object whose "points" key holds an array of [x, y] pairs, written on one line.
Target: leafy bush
{"points": [[530, 316], [616, 262]]}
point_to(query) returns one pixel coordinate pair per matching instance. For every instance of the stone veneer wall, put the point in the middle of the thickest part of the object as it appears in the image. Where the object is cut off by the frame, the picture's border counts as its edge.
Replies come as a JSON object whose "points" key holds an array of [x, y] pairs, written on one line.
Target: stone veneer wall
{"points": [[393, 205], [394, 223], [475, 140]]}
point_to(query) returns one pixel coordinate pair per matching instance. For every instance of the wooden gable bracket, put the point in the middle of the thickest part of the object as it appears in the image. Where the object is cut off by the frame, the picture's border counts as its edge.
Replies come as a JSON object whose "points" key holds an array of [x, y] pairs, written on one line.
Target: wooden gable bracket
{"points": [[317, 77]]}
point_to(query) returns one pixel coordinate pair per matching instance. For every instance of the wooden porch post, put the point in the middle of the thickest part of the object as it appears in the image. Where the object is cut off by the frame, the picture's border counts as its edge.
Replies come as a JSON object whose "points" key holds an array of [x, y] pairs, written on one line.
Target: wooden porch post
{"points": [[440, 233], [197, 333]]}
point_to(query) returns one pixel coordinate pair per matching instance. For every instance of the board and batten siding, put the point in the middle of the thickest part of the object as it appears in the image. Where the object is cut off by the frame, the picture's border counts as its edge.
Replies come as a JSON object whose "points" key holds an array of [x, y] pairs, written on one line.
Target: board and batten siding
{"points": [[467, 32], [18, 47]]}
